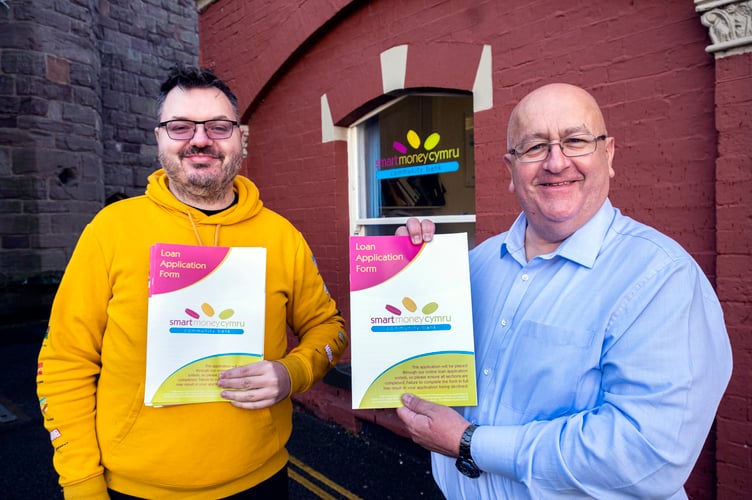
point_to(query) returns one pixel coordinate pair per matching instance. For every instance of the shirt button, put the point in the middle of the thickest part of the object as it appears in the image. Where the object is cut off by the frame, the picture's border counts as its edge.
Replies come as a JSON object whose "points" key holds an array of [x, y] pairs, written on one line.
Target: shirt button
{"points": [[525, 277], [503, 322], [486, 371]]}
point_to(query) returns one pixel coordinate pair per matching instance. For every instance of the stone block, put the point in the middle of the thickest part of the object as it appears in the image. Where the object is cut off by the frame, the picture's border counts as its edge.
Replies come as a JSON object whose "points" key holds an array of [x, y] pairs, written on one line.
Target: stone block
{"points": [[52, 259], [17, 262], [5, 167], [55, 110], [91, 167], [11, 206], [33, 106], [9, 105], [16, 35], [18, 223], [15, 241], [84, 52], [141, 105], [119, 118], [8, 122], [58, 70], [86, 97], [42, 88], [7, 84], [135, 135], [75, 11], [79, 114], [84, 75], [43, 206], [34, 124], [82, 143], [72, 223], [16, 187], [85, 129], [66, 189], [54, 240], [42, 161], [21, 62]]}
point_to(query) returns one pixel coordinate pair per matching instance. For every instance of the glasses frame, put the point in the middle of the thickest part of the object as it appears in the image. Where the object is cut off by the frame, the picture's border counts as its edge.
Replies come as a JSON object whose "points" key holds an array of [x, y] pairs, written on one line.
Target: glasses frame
{"points": [[595, 140], [195, 124]]}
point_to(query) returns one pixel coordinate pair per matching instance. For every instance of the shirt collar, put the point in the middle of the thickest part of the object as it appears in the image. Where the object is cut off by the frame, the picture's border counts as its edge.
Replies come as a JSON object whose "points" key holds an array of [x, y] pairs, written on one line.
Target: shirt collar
{"points": [[581, 247], [514, 241]]}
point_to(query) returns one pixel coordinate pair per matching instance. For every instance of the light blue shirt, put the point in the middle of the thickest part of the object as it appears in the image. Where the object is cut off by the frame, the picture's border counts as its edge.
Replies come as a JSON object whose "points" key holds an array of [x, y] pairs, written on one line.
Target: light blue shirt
{"points": [[600, 366]]}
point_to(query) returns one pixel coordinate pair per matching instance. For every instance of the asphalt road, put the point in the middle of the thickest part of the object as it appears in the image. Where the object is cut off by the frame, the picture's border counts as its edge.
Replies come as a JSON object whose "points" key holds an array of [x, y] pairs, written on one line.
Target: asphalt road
{"points": [[327, 461]]}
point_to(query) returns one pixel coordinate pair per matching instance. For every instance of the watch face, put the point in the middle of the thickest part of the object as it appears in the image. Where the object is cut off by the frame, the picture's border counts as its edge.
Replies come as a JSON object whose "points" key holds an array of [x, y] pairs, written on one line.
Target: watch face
{"points": [[467, 468]]}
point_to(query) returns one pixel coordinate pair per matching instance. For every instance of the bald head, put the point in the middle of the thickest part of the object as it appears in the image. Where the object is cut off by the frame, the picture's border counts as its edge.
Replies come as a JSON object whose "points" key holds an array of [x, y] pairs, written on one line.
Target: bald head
{"points": [[559, 192], [557, 109]]}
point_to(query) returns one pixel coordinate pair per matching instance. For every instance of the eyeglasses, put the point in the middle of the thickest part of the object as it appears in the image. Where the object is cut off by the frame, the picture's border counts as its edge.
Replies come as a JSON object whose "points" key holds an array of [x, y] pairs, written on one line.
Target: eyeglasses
{"points": [[184, 130], [574, 145]]}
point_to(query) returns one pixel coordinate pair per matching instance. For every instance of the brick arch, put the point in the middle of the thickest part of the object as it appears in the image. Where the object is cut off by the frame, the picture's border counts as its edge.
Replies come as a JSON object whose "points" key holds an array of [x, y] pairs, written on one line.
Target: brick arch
{"points": [[272, 38], [455, 66]]}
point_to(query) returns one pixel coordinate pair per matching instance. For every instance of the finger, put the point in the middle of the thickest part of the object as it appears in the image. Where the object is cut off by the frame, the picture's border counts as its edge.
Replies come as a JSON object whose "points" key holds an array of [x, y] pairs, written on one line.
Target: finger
{"points": [[249, 370], [253, 398], [243, 383], [428, 229], [416, 404], [241, 396], [413, 226], [405, 414], [251, 405]]}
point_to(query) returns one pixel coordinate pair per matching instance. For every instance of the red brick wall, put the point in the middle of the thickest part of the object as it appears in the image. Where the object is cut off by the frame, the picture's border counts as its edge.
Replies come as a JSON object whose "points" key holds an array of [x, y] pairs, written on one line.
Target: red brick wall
{"points": [[733, 120], [644, 61]]}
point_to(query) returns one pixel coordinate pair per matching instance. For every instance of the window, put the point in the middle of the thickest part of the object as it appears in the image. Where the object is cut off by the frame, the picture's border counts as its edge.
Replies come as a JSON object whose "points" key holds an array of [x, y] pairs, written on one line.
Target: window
{"points": [[413, 157]]}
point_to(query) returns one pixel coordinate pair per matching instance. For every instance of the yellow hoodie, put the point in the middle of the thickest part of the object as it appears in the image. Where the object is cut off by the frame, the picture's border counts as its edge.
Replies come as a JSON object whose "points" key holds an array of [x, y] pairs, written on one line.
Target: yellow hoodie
{"points": [[91, 369]]}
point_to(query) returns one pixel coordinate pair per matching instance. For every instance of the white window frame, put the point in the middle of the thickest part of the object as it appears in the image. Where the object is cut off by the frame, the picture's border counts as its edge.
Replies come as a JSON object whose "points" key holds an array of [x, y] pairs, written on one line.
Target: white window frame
{"points": [[356, 174]]}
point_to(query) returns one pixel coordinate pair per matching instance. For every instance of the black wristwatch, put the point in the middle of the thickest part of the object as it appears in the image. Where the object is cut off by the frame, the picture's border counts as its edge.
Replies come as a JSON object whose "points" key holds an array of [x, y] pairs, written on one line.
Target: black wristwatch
{"points": [[465, 463]]}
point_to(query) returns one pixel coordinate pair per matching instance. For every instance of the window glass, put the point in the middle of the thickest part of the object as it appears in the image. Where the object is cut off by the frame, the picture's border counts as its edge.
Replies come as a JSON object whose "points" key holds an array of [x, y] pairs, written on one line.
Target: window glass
{"points": [[414, 158]]}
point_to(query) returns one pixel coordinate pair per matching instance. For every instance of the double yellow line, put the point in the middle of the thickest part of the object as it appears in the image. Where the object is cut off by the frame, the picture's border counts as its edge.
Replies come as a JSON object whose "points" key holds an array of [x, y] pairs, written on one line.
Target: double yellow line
{"points": [[309, 477]]}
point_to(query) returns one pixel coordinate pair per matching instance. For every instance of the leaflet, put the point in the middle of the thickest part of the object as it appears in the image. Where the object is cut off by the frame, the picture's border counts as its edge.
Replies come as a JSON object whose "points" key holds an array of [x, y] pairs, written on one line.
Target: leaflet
{"points": [[411, 321], [206, 315]]}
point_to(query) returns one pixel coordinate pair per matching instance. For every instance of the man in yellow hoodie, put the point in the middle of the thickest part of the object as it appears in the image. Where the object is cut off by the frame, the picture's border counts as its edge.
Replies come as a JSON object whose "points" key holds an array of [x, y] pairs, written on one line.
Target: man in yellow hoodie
{"points": [[92, 363]]}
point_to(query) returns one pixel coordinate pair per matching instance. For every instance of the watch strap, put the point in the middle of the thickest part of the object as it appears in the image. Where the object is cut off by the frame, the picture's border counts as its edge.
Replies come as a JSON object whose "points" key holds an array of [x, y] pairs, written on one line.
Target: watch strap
{"points": [[465, 440], [465, 463]]}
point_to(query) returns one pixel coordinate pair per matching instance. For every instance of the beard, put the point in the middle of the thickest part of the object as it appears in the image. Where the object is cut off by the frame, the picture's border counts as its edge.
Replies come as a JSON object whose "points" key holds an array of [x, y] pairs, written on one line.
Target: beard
{"points": [[199, 184]]}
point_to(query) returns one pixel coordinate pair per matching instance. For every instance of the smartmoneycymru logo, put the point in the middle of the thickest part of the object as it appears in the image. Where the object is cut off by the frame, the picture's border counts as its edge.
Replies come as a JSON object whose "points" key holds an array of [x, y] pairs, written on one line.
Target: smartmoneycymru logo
{"points": [[207, 323], [430, 160], [409, 319]]}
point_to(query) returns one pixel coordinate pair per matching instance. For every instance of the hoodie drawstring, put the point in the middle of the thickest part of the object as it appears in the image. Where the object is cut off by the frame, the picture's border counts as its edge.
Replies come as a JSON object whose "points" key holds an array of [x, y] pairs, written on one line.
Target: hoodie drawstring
{"points": [[198, 237]]}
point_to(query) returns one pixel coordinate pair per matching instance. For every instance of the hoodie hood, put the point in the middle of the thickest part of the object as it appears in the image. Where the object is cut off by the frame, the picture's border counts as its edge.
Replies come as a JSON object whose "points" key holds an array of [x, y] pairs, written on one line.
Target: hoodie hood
{"points": [[249, 204]]}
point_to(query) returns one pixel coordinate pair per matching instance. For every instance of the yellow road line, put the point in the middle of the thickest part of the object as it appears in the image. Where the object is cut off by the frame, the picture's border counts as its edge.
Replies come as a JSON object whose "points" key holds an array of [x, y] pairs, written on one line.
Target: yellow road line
{"points": [[321, 478], [309, 485]]}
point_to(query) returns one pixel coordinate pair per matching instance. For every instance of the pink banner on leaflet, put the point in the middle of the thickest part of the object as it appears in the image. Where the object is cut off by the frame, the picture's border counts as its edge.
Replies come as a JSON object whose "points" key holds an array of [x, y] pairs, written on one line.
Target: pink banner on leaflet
{"points": [[375, 259], [178, 266]]}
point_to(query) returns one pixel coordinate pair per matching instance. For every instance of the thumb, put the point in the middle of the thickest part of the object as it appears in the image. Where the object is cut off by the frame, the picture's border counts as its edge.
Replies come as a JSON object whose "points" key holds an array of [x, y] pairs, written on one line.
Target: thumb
{"points": [[414, 403]]}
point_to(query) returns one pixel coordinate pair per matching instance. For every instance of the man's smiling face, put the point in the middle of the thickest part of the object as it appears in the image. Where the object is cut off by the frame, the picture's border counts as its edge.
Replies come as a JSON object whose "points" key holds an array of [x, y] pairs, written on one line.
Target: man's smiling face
{"points": [[559, 194], [200, 170]]}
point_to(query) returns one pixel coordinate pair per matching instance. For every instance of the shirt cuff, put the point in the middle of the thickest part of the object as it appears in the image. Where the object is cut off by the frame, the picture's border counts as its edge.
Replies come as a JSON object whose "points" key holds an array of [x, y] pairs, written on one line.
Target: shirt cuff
{"points": [[493, 449], [300, 378]]}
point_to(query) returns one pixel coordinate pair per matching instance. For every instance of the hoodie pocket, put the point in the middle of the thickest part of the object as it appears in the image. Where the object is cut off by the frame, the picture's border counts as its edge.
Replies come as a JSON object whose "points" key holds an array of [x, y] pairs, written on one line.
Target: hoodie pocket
{"points": [[134, 410]]}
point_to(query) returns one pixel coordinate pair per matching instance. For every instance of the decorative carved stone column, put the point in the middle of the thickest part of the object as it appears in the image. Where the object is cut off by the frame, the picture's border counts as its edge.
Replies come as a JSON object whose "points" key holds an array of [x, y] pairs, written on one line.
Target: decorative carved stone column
{"points": [[729, 24]]}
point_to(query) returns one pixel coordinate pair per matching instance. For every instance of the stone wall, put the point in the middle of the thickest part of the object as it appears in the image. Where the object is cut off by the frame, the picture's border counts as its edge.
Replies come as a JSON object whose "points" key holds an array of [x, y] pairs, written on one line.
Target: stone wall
{"points": [[77, 85]]}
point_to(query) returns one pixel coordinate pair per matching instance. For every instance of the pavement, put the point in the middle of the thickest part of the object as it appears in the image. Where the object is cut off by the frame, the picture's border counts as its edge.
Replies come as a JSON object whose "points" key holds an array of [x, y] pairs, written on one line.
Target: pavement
{"points": [[327, 462]]}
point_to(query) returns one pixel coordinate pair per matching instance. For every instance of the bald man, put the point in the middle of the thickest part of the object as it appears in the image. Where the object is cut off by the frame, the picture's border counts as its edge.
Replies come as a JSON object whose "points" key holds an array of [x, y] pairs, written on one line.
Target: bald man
{"points": [[601, 350]]}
